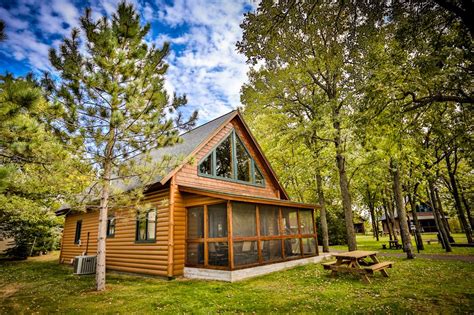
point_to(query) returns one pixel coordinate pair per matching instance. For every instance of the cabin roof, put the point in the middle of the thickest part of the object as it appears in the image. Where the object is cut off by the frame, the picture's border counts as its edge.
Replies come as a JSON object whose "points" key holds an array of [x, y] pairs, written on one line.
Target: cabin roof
{"points": [[245, 198], [192, 141]]}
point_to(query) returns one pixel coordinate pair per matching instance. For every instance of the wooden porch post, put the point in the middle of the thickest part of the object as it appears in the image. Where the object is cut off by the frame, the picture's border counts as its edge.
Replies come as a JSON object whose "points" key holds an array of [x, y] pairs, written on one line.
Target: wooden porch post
{"points": [[171, 228], [229, 235]]}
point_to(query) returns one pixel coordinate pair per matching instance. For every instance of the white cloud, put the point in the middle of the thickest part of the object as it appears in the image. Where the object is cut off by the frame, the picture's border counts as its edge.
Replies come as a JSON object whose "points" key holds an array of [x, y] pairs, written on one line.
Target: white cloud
{"points": [[208, 69], [204, 64]]}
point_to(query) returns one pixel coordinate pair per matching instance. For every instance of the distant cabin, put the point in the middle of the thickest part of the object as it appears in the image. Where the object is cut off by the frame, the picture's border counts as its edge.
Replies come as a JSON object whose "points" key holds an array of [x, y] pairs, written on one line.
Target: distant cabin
{"points": [[222, 209], [425, 217]]}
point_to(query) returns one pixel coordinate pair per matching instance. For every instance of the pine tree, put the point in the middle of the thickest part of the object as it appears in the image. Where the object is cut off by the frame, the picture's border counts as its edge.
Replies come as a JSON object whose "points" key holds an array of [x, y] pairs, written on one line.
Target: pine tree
{"points": [[37, 172], [115, 106]]}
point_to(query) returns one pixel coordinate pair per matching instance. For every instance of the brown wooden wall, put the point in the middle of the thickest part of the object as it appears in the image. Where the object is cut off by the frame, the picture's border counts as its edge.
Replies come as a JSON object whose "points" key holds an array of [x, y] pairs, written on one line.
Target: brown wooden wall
{"points": [[179, 238], [123, 253], [188, 175]]}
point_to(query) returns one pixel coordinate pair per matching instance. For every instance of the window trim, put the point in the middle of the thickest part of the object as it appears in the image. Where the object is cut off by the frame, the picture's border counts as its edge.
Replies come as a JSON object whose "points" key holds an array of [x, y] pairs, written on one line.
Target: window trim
{"points": [[137, 230], [253, 165], [108, 226], [77, 238]]}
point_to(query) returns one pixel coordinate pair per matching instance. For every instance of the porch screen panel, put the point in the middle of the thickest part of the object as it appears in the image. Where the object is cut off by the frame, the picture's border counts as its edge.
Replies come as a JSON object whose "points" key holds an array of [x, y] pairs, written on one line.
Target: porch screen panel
{"points": [[195, 254], [244, 222], [196, 222], [290, 221], [245, 253], [271, 250], [306, 222], [268, 220], [309, 246], [217, 220], [292, 247], [218, 254]]}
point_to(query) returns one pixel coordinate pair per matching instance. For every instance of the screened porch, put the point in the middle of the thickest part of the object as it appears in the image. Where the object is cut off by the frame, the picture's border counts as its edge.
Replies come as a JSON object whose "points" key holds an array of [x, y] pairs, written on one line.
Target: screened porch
{"points": [[232, 235]]}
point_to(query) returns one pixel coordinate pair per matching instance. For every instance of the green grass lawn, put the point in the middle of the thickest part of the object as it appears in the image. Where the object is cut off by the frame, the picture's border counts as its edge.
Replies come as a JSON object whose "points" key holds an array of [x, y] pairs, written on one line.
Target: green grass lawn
{"points": [[368, 242], [41, 285]]}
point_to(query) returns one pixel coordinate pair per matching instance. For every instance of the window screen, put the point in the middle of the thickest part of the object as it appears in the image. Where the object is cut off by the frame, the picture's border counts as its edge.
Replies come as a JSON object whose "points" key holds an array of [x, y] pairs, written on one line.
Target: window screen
{"points": [[271, 250], [77, 237], [292, 247], [195, 254], [244, 222], [224, 159], [290, 221], [196, 222], [309, 246], [217, 220], [245, 253], [218, 253], [268, 220], [306, 222]]}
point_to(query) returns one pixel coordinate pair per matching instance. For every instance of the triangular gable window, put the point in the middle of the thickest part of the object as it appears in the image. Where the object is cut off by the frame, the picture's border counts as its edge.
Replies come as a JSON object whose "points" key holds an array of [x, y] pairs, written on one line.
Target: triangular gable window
{"points": [[231, 160]]}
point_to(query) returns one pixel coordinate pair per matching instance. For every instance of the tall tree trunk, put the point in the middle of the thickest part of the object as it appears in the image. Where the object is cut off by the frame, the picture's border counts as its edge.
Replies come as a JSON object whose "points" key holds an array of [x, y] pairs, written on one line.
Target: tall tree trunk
{"points": [[397, 192], [343, 182], [441, 212], [322, 203], [457, 201], [387, 220], [439, 223], [102, 234], [466, 205], [412, 201], [375, 227], [392, 217], [103, 213]]}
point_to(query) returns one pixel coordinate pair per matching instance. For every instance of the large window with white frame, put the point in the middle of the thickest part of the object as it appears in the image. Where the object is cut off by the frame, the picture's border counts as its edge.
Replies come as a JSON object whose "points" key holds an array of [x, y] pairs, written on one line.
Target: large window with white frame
{"points": [[231, 160]]}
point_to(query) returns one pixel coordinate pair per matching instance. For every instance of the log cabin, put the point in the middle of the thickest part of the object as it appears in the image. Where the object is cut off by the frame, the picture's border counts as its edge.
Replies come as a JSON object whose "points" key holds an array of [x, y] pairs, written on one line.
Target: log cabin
{"points": [[220, 214]]}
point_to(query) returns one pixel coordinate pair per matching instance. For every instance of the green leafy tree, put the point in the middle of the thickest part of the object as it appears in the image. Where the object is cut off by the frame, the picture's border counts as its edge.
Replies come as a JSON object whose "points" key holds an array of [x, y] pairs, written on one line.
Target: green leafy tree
{"points": [[37, 173], [304, 56], [115, 106]]}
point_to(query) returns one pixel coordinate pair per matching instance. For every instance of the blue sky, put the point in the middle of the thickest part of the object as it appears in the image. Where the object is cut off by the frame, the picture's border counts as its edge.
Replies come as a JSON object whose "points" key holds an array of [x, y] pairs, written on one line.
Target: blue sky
{"points": [[203, 61]]}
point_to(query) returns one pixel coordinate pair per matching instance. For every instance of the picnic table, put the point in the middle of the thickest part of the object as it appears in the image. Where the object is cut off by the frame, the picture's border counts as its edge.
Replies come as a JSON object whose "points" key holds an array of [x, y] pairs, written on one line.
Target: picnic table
{"points": [[355, 262], [394, 244]]}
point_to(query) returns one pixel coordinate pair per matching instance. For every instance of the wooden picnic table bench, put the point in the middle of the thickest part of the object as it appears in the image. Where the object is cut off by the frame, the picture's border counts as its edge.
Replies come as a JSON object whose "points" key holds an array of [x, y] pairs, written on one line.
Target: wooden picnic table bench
{"points": [[394, 244], [354, 262]]}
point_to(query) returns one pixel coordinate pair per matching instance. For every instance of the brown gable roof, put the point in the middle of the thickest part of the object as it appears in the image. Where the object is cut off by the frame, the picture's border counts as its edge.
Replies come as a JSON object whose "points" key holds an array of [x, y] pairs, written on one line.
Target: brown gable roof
{"points": [[223, 122]]}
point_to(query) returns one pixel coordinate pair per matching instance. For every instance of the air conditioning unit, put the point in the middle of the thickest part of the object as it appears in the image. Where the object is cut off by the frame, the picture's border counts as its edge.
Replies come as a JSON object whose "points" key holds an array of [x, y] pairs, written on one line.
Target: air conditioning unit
{"points": [[84, 265]]}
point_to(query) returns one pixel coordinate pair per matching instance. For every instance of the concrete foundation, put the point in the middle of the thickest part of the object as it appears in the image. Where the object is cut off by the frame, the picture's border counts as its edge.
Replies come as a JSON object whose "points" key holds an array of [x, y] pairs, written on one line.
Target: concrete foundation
{"points": [[237, 275]]}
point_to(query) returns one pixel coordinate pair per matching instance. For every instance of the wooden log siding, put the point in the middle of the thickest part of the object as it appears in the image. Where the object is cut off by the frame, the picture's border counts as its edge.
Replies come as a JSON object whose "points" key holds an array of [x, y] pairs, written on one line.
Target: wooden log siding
{"points": [[123, 253], [188, 174], [179, 213]]}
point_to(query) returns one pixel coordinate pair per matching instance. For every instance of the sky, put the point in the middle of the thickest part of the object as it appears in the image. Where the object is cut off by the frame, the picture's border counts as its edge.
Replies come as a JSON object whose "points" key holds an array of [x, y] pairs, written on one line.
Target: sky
{"points": [[203, 62]]}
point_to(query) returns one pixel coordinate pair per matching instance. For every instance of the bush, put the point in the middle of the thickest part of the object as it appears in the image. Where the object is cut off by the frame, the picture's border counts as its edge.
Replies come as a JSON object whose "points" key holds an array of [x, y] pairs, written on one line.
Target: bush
{"points": [[336, 228]]}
